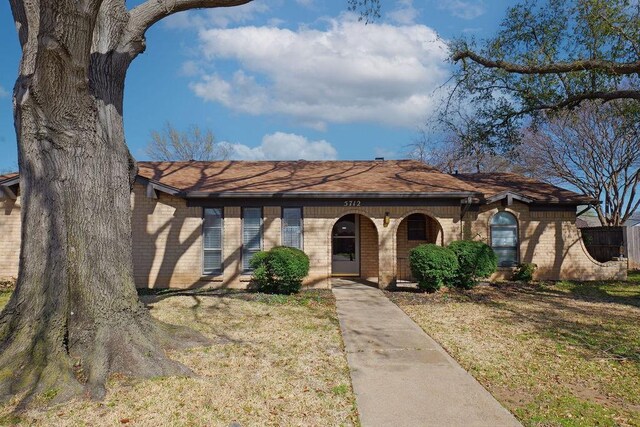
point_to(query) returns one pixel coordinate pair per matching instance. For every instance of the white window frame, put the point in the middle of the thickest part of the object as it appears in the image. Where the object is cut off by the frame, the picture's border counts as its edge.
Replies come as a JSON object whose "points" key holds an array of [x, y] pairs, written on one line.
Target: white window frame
{"points": [[282, 227], [244, 252], [215, 271]]}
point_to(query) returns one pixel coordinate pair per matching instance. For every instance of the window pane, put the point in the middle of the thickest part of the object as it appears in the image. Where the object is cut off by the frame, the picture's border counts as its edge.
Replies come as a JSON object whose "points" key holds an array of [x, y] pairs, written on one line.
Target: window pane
{"points": [[251, 234], [212, 261], [246, 257], [502, 236], [417, 227], [507, 257], [213, 217], [503, 218], [213, 238], [346, 226], [292, 227], [212, 241], [344, 249]]}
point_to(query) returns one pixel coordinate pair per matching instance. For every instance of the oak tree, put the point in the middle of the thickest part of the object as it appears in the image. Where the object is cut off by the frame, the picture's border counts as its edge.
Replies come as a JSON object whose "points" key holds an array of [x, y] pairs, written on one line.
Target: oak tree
{"points": [[75, 318], [549, 56]]}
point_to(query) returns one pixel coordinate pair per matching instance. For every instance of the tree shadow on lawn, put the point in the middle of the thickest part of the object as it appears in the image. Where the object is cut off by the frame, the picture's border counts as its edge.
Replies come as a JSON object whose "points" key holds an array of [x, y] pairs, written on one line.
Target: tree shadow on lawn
{"points": [[319, 300], [573, 319], [590, 320]]}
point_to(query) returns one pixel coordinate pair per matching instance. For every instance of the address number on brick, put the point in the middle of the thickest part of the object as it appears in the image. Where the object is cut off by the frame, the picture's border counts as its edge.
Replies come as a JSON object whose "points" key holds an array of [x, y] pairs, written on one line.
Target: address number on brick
{"points": [[352, 203]]}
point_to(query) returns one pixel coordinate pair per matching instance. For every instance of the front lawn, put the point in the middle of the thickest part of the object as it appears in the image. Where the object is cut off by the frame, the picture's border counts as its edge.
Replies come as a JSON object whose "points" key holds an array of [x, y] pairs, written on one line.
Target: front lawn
{"points": [[565, 354], [274, 360]]}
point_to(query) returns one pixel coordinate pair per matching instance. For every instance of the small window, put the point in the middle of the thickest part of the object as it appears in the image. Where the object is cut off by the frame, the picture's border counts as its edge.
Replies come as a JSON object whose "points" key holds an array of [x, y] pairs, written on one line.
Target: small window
{"points": [[416, 227], [292, 227], [212, 241], [504, 238], [251, 235]]}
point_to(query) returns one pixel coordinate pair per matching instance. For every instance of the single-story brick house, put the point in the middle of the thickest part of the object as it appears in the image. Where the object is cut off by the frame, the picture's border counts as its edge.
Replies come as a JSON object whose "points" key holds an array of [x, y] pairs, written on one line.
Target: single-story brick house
{"points": [[196, 224]]}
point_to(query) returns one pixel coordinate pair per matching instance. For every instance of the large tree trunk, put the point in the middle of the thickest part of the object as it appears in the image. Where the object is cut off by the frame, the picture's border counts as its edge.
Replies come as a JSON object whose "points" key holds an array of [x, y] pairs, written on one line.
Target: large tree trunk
{"points": [[75, 317]]}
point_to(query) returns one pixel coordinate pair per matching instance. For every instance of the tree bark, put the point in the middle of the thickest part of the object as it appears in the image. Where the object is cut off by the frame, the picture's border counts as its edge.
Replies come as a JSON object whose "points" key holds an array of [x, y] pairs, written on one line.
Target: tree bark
{"points": [[75, 317]]}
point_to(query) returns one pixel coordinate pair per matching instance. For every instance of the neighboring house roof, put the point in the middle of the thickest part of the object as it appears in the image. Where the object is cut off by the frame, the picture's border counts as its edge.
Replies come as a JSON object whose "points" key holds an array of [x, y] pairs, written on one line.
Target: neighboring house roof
{"points": [[634, 220], [495, 184], [9, 185], [8, 177]]}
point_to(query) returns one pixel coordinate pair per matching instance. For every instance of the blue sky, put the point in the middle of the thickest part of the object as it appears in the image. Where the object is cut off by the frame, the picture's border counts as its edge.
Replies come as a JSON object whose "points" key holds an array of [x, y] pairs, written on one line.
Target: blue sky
{"points": [[279, 79]]}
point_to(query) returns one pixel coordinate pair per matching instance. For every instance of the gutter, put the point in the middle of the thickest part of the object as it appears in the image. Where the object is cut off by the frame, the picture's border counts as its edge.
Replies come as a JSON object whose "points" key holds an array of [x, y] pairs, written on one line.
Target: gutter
{"points": [[330, 195]]}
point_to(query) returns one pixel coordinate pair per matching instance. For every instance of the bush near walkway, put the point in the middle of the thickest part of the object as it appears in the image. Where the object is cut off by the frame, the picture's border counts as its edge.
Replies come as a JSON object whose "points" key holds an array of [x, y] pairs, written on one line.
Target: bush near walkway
{"points": [[279, 270], [432, 266], [476, 260], [274, 360], [555, 354]]}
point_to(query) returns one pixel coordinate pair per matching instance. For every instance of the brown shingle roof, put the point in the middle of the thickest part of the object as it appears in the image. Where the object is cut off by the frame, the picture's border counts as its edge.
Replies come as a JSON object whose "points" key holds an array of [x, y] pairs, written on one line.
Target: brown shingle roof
{"points": [[391, 176], [492, 184]]}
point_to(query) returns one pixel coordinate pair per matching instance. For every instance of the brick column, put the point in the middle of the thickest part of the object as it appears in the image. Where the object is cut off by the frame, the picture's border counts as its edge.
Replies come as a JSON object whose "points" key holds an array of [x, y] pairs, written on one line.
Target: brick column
{"points": [[387, 253], [272, 227]]}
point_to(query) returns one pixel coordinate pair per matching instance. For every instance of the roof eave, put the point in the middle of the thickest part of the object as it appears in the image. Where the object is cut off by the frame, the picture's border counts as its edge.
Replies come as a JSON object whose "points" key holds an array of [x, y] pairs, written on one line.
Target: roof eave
{"points": [[333, 195]]}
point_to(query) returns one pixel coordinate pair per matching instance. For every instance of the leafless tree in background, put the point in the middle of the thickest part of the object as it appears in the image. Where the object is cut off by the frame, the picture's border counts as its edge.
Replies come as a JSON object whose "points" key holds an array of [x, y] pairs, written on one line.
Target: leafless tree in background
{"points": [[171, 144], [452, 152], [596, 149]]}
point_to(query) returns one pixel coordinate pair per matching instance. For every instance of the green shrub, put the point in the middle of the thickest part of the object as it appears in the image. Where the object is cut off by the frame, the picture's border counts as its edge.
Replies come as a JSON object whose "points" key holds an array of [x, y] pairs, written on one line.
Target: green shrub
{"points": [[524, 272], [475, 260], [279, 270], [432, 266]]}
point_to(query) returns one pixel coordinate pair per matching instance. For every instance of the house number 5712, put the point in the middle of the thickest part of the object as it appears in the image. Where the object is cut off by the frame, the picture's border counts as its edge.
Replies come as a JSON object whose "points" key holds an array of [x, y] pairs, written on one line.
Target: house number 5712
{"points": [[352, 203]]}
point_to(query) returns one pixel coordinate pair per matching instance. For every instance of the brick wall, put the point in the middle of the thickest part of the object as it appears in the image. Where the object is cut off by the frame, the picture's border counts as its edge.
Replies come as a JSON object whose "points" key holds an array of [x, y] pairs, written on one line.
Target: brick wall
{"points": [[368, 250], [548, 239], [167, 241], [434, 235], [9, 237]]}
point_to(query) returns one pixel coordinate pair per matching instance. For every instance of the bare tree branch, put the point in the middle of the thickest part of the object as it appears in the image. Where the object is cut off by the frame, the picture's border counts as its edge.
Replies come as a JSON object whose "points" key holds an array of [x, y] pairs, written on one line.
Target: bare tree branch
{"points": [[148, 13], [551, 67]]}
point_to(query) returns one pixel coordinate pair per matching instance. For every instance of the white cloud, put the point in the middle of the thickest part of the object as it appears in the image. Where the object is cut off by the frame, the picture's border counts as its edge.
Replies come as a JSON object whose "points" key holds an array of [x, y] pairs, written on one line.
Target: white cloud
{"points": [[405, 13], [3, 92], [465, 9], [220, 17], [190, 69], [345, 73], [283, 146]]}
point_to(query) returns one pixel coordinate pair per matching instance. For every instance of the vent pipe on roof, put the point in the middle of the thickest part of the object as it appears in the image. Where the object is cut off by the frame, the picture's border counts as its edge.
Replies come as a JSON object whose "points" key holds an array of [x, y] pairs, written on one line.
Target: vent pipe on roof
{"points": [[379, 159], [455, 172]]}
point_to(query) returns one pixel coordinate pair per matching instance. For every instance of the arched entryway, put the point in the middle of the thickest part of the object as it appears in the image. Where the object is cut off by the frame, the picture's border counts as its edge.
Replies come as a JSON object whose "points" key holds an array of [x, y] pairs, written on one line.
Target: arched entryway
{"points": [[354, 248], [415, 229]]}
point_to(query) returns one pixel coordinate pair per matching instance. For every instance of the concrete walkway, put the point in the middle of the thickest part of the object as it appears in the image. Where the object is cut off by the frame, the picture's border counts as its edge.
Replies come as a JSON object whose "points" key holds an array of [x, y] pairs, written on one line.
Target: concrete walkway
{"points": [[402, 377]]}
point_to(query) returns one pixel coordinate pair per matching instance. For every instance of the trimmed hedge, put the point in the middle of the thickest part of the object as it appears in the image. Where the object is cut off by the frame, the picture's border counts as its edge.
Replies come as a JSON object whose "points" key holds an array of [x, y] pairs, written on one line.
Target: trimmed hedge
{"points": [[475, 260], [524, 272], [432, 265], [279, 270]]}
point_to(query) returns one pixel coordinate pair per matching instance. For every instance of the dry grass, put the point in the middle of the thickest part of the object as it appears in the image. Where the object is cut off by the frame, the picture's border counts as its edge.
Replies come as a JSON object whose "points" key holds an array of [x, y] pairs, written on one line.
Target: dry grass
{"points": [[275, 361], [565, 354]]}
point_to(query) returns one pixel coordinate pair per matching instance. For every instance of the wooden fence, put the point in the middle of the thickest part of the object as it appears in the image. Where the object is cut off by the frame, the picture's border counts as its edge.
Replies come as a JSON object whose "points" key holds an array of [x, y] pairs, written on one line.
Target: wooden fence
{"points": [[632, 246], [606, 243]]}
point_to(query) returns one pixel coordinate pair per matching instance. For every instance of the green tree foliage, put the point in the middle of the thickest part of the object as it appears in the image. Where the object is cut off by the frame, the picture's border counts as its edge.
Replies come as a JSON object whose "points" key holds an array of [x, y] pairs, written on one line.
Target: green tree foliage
{"points": [[279, 270], [475, 260], [432, 266], [548, 56]]}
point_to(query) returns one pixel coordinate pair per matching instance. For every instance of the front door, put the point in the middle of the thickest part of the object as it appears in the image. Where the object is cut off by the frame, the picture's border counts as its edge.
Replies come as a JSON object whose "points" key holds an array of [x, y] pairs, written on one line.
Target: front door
{"points": [[345, 247]]}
